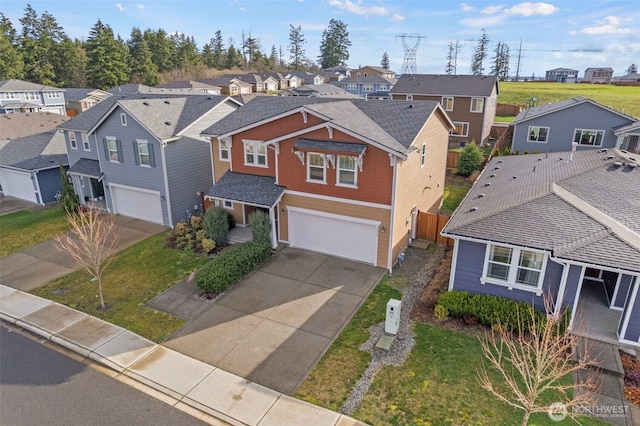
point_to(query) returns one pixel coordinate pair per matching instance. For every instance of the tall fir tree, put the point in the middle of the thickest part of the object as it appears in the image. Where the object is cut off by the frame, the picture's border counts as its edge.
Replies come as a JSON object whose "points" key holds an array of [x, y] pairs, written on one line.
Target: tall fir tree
{"points": [[107, 58], [161, 49], [500, 62], [71, 63], [11, 62], [39, 46], [143, 70], [334, 46], [384, 62], [480, 54], [297, 56], [217, 44]]}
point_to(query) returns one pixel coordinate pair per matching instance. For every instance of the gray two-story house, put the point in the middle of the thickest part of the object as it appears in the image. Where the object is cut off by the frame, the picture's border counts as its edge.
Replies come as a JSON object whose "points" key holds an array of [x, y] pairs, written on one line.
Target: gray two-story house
{"points": [[22, 96], [580, 121], [142, 155], [369, 87]]}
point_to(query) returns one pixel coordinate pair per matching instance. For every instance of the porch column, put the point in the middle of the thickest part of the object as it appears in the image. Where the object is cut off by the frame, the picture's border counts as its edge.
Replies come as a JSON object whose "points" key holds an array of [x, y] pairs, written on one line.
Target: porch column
{"points": [[274, 235]]}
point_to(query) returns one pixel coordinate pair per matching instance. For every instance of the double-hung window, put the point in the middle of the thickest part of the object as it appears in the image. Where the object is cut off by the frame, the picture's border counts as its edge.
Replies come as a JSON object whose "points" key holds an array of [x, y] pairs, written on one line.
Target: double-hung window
{"points": [[423, 154], [255, 154], [144, 153], [223, 149], [447, 103], [85, 142], [477, 104], [113, 149], [367, 87], [588, 137], [315, 168], [31, 96], [460, 129], [514, 267], [347, 175], [538, 134], [72, 140]]}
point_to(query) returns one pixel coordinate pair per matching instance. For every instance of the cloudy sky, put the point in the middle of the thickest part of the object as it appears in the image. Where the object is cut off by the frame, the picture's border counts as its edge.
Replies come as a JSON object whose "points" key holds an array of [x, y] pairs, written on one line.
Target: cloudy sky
{"points": [[544, 35]]}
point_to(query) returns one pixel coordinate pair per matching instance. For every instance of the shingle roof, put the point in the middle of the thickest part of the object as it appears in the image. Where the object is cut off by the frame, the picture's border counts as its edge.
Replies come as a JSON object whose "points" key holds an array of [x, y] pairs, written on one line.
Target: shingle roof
{"points": [[357, 148], [441, 85], [541, 110], [23, 124], [320, 90], [42, 151], [13, 84], [246, 188], [370, 79], [527, 209], [87, 167]]}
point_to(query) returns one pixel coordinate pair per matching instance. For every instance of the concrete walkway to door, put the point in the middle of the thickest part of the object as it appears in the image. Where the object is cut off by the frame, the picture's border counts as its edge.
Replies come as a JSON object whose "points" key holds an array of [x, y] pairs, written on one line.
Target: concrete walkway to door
{"points": [[275, 325]]}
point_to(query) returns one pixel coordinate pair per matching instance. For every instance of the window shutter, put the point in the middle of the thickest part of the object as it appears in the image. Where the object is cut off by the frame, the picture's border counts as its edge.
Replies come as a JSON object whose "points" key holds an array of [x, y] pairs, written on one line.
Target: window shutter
{"points": [[136, 153], [119, 145], [152, 158], [105, 144]]}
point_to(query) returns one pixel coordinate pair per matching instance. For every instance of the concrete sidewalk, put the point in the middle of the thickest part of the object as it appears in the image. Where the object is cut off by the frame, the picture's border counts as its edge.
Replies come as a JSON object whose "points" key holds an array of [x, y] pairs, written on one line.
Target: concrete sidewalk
{"points": [[186, 383]]}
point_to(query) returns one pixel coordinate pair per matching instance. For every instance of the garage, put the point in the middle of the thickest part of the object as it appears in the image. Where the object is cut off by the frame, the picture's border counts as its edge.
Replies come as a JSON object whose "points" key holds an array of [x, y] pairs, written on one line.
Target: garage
{"points": [[337, 235], [17, 184], [137, 203]]}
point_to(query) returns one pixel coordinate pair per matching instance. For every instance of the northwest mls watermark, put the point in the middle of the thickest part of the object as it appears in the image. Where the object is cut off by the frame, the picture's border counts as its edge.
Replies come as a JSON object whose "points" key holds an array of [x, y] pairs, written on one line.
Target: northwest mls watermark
{"points": [[559, 411]]}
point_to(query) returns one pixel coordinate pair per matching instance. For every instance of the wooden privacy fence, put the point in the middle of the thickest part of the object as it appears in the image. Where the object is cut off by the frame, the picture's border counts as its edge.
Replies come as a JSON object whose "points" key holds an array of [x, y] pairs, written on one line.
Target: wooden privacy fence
{"points": [[429, 227], [506, 109], [453, 156]]}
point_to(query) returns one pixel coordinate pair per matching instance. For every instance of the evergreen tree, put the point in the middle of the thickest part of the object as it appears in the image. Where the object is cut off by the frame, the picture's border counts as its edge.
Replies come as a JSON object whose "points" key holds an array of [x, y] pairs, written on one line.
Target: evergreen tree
{"points": [[217, 44], [273, 58], [233, 58], [480, 54], [384, 63], [470, 159], [39, 46], [187, 57], [71, 63], [334, 46], [68, 200], [143, 70], [207, 57], [297, 55], [107, 58], [500, 62], [633, 68], [450, 67], [11, 62], [161, 49]]}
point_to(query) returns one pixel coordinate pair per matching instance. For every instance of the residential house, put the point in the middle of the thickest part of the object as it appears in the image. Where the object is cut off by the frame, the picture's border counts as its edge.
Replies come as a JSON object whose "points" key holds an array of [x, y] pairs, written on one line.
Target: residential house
{"points": [[260, 83], [370, 71], [632, 77], [305, 77], [561, 225], [336, 73], [79, 100], [294, 81], [469, 100], [370, 87], [30, 166], [345, 177], [579, 120], [229, 86], [19, 125], [142, 155], [629, 137], [22, 96], [598, 75], [318, 91], [562, 75], [194, 85]]}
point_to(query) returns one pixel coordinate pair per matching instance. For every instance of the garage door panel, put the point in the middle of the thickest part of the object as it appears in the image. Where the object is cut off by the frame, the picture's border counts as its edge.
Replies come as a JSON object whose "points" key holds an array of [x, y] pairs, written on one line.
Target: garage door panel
{"points": [[17, 184], [336, 235], [139, 204]]}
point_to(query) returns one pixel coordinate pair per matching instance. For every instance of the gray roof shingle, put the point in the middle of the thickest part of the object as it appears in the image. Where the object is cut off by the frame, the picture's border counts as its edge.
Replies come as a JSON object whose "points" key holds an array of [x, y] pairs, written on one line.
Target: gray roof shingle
{"points": [[441, 85], [545, 109], [86, 167], [42, 151], [245, 188], [13, 84]]}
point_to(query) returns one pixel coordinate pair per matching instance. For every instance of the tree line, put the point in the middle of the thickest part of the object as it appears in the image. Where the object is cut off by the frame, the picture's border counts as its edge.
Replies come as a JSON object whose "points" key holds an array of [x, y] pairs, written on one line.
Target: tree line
{"points": [[43, 53]]}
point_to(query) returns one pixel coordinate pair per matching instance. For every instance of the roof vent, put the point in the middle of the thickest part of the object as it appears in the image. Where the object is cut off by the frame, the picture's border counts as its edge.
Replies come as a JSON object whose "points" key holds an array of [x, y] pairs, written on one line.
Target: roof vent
{"points": [[496, 168], [609, 157], [632, 165], [604, 150], [487, 184], [492, 175], [560, 159], [145, 103], [539, 159], [515, 177], [632, 159], [167, 102], [168, 123], [624, 151], [499, 161], [473, 209], [481, 195], [617, 164]]}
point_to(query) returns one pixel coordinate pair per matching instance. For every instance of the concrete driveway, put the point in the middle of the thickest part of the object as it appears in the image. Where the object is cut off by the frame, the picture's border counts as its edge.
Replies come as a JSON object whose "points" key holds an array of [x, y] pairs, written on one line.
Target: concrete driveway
{"points": [[274, 326]]}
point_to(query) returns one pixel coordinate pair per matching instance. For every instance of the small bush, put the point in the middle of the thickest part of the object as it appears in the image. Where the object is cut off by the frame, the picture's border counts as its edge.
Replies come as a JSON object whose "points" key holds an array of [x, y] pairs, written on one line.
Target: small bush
{"points": [[231, 266], [260, 226], [440, 312], [208, 245], [216, 223], [470, 160]]}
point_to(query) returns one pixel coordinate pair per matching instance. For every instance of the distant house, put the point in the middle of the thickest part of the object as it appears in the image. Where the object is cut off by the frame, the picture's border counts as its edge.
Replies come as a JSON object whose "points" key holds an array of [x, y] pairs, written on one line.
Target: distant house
{"points": [[79, 100], [629, 137], [306, 77], [541, 225], [370, 70], [229, 85], [190, 84], [598, 75], [469, 100], [319, 91], [336, 73], [579, 120], [562, 75], [260, 83], [632, 77], [19, 125], [370, 87], [22, 96], [30, 166]]}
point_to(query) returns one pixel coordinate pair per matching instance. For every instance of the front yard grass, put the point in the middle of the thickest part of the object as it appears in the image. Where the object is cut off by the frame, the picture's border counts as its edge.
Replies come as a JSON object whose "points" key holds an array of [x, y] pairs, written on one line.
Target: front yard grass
{"points": [[136, 275], [26, 228], [453, 195]]}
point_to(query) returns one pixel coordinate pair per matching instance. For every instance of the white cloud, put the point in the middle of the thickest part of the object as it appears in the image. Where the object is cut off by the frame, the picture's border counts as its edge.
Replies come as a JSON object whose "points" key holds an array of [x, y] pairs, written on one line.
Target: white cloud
{"points": [[466, 8], [482, 22], [397, 18], [531, 9], [141, 6], [490, 10], [359, 7], [608, 25], [120, 7]]}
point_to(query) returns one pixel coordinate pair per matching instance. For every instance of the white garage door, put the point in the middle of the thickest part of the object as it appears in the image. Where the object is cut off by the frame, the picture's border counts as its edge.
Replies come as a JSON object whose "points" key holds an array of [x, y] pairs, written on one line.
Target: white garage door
{"points": [[17, 184], [139, 204], [337, 235]]}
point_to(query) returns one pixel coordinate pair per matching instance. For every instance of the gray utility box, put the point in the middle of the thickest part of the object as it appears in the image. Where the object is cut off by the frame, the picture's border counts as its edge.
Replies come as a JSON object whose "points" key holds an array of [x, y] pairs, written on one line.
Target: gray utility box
{"points": [[392, 321]]}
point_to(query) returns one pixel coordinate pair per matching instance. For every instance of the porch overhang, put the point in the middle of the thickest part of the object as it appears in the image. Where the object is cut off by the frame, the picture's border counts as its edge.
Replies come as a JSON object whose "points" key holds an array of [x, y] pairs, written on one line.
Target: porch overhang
{"points": [[86, 167], [260, 191]]}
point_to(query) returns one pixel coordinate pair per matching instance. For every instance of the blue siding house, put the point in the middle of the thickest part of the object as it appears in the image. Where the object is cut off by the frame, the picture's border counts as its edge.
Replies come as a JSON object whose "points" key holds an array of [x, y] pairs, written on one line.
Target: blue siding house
{"points": [[370, 87], [142, 155], [23, 96], [559, 225], [579, 120]]}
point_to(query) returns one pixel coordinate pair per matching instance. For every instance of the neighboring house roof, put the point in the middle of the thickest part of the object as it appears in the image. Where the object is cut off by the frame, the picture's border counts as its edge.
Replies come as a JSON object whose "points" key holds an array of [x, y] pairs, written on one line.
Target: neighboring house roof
{"points": [[371, 79], [562, 70], [545, 109], [319, 90], [13, 126], [223, 81], [187, 84], [13, 85], [247, 188], [627, 128], [76, 94], [454, 85], [86, 167], [129, 88], [599, 69], [377, 69], [393, 125], [305, 76], [579, 209], [633, 76], [36, 152]]}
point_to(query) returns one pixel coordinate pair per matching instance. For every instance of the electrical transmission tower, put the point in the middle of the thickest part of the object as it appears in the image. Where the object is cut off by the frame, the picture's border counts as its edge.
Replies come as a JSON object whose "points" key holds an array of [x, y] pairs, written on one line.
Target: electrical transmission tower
{"points": [[410, 43]]}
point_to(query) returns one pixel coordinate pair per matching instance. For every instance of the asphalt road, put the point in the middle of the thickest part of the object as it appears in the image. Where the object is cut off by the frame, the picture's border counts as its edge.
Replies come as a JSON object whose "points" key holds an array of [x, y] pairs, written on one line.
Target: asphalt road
{"points": [[39, 386]]}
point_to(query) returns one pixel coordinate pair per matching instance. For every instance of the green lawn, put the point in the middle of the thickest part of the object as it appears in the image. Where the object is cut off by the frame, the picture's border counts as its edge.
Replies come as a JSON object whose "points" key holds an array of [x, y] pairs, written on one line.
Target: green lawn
{"points": [[453, 195], [24, 229], [136, 275], [621, 98]]}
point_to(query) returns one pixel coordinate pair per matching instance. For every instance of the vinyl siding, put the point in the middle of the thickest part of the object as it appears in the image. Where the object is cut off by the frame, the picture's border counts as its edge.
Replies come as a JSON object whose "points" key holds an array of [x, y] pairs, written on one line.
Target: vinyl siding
{"points": [[623, 291], [50, 184], [633, 328], [76, 154], [562, 124], [609, 278], [571, 288]]}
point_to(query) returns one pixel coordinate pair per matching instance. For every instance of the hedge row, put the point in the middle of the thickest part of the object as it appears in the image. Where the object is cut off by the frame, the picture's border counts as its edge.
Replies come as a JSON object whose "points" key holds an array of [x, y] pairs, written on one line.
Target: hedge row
{"points": [[492, 310], [231, 266]]}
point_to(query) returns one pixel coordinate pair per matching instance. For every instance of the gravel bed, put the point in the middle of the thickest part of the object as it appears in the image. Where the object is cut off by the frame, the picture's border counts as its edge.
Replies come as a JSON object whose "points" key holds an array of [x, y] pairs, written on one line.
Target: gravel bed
{"points": [[420, 268]]}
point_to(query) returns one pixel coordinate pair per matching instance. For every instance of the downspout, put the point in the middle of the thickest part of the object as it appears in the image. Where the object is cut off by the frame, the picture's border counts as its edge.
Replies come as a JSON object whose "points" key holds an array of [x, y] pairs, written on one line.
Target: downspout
{"points": [[272, 219], [166, 183], [391, 217]]}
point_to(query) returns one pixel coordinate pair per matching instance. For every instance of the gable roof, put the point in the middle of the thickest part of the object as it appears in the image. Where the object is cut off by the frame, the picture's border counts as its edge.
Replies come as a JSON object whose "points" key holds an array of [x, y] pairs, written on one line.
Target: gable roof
{"points": [[247, 188], [78, 94], [319, 90], [371, 79], [548, 202], [23, 124], [223, 81], [13, 84], [441, 85], [41, 151], [187, 84], [545, 109]]}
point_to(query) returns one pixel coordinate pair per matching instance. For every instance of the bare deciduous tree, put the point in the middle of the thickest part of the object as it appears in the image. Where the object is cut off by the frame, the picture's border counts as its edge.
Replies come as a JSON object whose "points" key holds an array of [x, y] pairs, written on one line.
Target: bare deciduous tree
{"points": [[90, 243], [530, 363]]}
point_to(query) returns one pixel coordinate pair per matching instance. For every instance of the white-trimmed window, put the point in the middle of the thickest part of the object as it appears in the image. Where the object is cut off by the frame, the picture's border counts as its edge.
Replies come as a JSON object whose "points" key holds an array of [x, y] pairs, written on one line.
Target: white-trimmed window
{"points": [[367, 87], [447, 103], [460, 129], [352, 87], [383, 87], [423, 154], [113, 149], [228, 204], [255, 154], [588, 137], [315, 168], [347, 171], [143, 151], [85, 142], [123, 119], [409, 97], [223, 149], [538, 134], [477, 104], [72, 140], [53, 95], [514, 267], [9, 95], [31, 96]]}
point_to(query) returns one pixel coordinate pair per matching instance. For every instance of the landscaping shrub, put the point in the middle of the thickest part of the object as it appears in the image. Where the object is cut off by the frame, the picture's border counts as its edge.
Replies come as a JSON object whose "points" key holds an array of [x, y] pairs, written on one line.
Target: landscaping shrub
{"points": [[216, 223], [490, 310], [471, 159], [440, 312], [260, 226], [231, 266]]}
